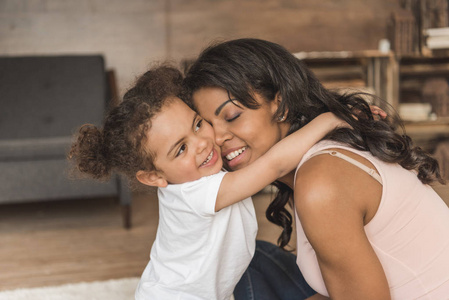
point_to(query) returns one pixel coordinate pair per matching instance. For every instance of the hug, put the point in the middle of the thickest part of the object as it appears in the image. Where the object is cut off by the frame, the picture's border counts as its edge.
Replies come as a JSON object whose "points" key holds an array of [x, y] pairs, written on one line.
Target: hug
{"points": [[248, 113]]}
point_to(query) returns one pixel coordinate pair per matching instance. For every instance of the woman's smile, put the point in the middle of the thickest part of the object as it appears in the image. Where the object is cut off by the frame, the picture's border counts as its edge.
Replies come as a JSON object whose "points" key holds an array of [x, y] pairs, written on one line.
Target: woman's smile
{"points": [[234, 157], [243, 134]]}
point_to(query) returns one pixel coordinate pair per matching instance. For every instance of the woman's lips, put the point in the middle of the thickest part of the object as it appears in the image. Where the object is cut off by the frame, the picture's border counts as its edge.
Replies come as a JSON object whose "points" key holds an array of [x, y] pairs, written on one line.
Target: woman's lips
{"points": [[235, 153], [233, 158]]}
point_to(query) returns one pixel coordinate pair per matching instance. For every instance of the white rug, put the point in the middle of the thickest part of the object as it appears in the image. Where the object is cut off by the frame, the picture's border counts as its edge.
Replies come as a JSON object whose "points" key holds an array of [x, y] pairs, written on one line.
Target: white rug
{"points": [[119, 289]]}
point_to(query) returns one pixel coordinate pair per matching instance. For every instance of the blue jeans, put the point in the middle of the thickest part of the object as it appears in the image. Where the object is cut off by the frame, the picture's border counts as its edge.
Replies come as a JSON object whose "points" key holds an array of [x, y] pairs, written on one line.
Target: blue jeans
{"points": [[272, 275]]}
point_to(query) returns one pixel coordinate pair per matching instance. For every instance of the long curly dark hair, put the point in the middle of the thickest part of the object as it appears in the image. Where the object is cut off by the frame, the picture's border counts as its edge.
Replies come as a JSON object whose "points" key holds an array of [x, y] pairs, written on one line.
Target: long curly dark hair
{"points": [[119, 145], [247, 66]]}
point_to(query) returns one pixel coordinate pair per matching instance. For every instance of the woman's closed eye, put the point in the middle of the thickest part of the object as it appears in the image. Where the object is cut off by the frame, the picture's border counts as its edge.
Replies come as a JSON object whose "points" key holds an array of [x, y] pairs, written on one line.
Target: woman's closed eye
{"points": [[233, 117]]}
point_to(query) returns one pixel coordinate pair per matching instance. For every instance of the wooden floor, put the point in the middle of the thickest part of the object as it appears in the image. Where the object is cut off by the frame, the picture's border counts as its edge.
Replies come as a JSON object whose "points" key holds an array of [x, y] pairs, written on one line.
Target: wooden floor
{"points": [[52, 243], [44, 244]]}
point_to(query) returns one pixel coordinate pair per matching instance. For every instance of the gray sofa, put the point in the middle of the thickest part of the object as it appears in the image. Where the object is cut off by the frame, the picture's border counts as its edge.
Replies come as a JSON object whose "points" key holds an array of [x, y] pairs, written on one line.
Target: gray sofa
{"points": [[43, 100]]}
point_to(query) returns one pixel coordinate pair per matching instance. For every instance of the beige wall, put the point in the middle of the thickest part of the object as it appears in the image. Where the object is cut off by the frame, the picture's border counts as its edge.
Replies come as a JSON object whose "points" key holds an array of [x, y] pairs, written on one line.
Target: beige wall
{"points": [[133, 33]]}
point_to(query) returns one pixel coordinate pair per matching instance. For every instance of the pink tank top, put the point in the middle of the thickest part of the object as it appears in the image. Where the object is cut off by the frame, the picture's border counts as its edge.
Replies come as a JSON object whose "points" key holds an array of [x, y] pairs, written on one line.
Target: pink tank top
{"points": [[409, 233]]}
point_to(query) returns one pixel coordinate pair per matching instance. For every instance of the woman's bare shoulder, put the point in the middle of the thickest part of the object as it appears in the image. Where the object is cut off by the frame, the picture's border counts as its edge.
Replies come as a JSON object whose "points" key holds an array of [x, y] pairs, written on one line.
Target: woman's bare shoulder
{"points": [[325, 182]]}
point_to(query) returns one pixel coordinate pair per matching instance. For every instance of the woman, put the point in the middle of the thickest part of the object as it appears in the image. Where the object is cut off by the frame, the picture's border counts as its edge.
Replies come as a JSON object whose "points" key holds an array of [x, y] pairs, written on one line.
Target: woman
{"points": [[368, 226]]}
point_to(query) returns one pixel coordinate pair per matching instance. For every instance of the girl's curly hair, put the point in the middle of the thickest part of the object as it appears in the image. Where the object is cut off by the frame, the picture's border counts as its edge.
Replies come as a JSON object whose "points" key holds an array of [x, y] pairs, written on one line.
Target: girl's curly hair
{"points": [[120, 145]]}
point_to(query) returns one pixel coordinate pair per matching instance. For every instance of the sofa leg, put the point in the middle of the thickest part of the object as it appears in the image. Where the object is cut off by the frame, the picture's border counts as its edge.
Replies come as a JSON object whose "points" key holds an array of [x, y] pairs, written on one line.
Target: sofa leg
{"points": [[125, 197], [126, 215]]}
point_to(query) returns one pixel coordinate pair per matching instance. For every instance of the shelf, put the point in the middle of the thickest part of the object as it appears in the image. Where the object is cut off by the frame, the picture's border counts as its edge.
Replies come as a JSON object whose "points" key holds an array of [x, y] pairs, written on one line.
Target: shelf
{"points": [[370, 70], [427, 134], [396, 79], [332, 55], [424, 79], [420, 69], [437, 128]]}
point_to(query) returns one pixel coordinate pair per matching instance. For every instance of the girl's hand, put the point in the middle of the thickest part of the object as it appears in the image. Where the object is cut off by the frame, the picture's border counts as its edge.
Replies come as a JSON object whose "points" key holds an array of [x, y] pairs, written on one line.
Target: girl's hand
{"points": [[335, 122], [377, 112]]}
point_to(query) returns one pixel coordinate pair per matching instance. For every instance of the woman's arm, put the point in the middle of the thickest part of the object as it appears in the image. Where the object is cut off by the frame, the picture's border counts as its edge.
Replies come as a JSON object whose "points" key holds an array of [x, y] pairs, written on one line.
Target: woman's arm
{"points": [[334, 201], [281, 159]]}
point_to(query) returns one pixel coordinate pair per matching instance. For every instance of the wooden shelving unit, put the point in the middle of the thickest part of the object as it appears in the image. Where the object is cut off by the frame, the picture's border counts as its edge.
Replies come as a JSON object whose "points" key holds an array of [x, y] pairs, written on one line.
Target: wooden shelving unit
{"points": [[371, 70], [394, 79], [427, 134], [414, 72]]}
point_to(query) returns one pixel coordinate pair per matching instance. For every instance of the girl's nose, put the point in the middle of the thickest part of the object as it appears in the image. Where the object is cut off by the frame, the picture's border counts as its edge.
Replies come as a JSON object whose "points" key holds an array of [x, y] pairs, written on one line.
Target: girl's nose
{"points": [[201, 144]]}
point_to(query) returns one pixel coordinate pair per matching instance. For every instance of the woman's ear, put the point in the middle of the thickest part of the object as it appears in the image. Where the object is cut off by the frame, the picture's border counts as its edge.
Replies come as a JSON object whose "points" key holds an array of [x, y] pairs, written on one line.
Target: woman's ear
{"points": [[151, 178], [275, 106]]}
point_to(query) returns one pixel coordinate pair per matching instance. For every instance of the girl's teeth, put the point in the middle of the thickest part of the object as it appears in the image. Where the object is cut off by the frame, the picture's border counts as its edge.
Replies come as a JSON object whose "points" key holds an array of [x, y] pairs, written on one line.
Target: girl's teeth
{"points": [[208, 158], [234, 154]]}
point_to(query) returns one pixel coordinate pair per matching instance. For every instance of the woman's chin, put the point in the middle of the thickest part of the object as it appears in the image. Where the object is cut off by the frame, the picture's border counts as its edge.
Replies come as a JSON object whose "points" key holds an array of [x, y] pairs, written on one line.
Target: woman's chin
{"points": [[234, 168], [237, 162]]}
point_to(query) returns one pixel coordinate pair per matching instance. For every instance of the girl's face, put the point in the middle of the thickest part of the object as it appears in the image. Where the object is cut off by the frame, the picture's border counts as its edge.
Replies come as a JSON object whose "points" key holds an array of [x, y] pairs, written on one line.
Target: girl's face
{"points": [[183, 144], [243, 134]]}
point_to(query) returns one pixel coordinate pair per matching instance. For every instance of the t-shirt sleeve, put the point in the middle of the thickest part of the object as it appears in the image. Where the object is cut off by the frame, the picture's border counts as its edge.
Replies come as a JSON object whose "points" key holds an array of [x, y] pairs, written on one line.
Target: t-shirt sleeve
{"points": [[201, 195]]}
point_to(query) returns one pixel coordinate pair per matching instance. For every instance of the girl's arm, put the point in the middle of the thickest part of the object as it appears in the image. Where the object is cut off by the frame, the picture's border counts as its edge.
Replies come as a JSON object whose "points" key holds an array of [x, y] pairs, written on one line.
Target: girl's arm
{"points": [[277, 162]]}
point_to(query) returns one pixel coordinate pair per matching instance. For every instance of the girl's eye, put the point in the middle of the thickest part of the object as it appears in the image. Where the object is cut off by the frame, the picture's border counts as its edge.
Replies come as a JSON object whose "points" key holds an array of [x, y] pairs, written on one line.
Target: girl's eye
{"points": [[232, 118], [181, 150], [198, 125]]}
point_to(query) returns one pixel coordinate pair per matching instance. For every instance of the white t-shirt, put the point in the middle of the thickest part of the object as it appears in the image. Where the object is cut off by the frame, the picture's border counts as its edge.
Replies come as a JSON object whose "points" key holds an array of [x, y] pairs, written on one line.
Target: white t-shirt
{"points": [[198, 253]]}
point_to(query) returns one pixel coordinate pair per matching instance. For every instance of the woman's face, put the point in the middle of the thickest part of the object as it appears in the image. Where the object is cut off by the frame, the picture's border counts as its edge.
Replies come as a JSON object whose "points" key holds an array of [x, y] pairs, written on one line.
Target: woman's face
{"points": [[243, 134]]}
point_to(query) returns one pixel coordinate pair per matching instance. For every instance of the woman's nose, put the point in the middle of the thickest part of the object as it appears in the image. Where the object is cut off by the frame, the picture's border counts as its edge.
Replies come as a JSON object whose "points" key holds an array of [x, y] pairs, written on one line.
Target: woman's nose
{"points": [[221, 136]]}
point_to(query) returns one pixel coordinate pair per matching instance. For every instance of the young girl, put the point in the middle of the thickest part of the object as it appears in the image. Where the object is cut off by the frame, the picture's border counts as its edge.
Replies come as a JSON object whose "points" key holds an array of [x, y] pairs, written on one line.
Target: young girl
{"points": [[207, 224]]}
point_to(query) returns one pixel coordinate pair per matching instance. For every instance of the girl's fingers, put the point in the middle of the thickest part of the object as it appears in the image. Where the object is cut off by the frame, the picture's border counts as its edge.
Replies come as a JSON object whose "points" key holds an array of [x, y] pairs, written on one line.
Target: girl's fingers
{"points": [[378, 111]]}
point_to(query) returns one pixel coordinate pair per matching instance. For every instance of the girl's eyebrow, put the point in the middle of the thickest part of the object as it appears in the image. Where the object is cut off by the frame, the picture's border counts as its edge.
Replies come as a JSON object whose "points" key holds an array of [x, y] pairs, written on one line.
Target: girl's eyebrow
{"points": [[175, 145], [218, 110], [182, 138]]}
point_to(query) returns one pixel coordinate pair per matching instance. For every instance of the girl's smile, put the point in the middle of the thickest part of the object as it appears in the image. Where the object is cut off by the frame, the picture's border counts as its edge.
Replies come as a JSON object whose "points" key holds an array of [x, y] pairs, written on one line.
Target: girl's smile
{"points": [[211, 159], [183, 144]]}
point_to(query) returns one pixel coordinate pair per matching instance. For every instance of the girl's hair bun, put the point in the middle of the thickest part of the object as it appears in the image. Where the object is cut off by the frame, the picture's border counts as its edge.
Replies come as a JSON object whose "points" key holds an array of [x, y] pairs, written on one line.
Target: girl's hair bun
{"points": [[88, 152]]}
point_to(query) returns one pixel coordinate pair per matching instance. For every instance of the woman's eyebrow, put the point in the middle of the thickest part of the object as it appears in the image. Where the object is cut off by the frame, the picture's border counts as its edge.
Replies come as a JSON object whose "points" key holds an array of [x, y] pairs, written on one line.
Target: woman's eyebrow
{"points": [[218, 110]]}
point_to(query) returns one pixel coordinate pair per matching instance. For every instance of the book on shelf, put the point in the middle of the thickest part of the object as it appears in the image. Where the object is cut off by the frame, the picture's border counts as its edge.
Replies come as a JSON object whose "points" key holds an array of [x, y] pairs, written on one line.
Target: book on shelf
{"points": [[441, 31], [437, 42], [415, 111], [437, 38]]}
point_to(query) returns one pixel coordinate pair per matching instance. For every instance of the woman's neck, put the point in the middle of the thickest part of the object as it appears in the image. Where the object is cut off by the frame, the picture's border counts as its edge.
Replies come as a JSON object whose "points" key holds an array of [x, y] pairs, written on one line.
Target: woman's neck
{"points": [[290, 177]]}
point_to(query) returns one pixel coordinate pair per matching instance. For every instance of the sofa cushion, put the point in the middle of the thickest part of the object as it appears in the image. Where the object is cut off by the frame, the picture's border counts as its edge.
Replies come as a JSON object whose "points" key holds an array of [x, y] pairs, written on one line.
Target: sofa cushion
{"points": [[50, 96], [42, 148], [36, 180]]}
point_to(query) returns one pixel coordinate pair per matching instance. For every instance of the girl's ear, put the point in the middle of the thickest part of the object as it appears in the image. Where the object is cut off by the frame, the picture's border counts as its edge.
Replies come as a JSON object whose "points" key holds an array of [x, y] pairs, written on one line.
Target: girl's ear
{"points": [[151, 178]]}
